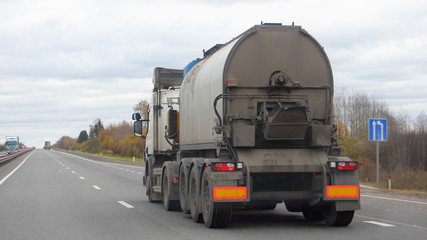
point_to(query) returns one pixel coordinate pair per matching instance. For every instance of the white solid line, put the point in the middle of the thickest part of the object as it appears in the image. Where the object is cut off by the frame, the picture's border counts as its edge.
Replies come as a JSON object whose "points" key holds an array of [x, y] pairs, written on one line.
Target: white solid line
{"points": [[14, 170], [379, 223], [125, 204], [82, 178], [102, 163], [96, 187], [394, 199]]}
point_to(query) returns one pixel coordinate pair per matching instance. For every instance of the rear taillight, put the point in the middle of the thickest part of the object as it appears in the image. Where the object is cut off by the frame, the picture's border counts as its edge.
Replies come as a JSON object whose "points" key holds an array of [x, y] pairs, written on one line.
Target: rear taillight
{"points": [[344, 165], [224, 167]]}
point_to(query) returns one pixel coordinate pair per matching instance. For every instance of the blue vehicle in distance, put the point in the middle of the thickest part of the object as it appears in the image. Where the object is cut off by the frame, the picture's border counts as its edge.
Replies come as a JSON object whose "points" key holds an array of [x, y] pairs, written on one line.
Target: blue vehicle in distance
{"points": [[12, 144]]}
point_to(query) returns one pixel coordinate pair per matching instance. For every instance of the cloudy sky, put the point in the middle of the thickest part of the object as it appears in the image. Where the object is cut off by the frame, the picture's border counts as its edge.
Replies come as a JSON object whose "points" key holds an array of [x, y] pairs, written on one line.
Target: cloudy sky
{"points": [[64, 63]]}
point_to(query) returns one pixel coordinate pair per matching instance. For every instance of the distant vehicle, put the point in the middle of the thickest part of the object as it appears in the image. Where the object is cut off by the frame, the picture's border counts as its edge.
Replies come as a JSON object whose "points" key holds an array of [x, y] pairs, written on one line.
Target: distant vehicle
{"points": [[12, 144], [250, 125], [46, 145]]}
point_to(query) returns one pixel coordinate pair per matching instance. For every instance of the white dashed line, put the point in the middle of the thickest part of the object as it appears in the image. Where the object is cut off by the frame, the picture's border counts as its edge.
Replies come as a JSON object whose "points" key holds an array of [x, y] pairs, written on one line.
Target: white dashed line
{"points": [[379, 223], [82, 178], [73, 172], [394, 199], [96, 187], [125, 204]]}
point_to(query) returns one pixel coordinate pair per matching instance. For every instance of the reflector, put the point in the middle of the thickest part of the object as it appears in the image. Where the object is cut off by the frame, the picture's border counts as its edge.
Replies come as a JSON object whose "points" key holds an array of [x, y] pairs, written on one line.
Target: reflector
{"points": [[223, 193], [342, 191]]}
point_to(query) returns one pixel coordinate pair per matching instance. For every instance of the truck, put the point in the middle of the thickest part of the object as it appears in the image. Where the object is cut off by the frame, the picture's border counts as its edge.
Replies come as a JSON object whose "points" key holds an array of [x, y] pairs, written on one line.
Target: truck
{"points": [[12, 144], [46, 145], [250, 125]]}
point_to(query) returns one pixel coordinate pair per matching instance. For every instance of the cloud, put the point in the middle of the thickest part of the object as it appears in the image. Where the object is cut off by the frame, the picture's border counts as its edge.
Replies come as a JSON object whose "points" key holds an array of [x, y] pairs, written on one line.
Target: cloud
{"points": [[65, 63]]}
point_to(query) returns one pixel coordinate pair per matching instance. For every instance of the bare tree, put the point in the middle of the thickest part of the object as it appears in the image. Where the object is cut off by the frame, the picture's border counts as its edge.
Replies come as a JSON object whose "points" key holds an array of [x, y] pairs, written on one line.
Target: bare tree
{"points": [[143, 108]]}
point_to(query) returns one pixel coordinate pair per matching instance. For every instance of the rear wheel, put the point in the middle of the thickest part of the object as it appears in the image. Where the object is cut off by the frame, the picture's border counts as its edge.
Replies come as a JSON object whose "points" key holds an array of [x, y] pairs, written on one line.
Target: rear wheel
{"points": [[183, 191], [311, 215], [337, 218], [261, 205], [215, 215], [193, 196], [170, 205]]}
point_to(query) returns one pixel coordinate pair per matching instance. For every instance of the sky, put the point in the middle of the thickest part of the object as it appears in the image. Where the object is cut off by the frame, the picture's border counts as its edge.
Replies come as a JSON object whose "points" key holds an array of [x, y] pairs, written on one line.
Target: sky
{"points": [[65, 63]]}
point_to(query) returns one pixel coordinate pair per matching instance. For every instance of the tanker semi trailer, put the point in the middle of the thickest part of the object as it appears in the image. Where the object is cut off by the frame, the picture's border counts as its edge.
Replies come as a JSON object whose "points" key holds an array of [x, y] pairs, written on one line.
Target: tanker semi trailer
{"points": [[250, 125]]}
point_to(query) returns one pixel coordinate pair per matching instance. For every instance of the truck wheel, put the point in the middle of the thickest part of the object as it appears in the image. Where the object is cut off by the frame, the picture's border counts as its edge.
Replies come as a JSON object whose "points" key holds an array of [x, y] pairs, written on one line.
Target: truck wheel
{"points": [[215, 215], [293, 207], [261, 205], [337, 218], [170, 205], [193, 196], [183, 191], [311, 215]]}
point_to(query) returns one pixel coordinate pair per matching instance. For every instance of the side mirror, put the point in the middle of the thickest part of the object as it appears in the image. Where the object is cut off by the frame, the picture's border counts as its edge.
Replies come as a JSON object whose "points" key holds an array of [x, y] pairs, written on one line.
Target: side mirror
{"points": [[140, 128], [136, 116]]}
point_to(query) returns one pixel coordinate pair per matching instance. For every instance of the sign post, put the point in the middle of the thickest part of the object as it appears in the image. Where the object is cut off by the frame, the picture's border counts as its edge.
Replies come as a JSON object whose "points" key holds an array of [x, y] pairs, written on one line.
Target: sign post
{"points": [[378, 132]]}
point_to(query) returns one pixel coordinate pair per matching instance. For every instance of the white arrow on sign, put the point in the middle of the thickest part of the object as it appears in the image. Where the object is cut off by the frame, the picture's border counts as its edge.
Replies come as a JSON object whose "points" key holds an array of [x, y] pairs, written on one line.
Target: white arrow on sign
{"points": [[374, 130], [381, 130]]}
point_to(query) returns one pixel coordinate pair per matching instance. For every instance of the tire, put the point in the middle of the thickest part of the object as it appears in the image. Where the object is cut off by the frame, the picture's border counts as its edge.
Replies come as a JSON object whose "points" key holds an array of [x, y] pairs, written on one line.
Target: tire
{"points": [[170, 205], [183, 191], [215, 215], [293, 207], [261, 205], [337, 218], [311, 215], [193, 198]]}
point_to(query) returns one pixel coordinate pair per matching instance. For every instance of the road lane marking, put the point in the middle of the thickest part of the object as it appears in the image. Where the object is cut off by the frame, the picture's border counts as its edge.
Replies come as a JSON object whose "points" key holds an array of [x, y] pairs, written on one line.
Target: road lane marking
{"points": [[14, 170], [394, 199], [96, 187], [392, 222], [125, 204], [82, 178], [101, 163], [73, 172], [379, 223]]}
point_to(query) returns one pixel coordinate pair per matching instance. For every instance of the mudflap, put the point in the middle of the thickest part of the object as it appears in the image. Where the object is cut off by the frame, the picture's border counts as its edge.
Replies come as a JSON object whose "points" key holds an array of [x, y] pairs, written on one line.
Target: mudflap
{"points": [[343, 191]]}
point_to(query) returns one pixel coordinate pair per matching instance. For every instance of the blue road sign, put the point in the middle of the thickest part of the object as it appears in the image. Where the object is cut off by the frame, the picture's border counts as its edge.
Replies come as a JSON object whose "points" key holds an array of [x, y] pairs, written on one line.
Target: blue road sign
{"points": [[377, 129]]}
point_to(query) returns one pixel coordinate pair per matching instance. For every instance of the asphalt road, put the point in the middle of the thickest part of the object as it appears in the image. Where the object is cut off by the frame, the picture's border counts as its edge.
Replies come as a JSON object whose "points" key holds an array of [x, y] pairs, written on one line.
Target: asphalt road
{"points": [[54, 195]]}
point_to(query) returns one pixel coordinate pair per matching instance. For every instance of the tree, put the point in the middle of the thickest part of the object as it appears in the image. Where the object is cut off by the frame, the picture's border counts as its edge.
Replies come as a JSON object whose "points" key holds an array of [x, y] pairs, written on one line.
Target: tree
{"points": [[96, 128], [83, 137], [143, 108]]}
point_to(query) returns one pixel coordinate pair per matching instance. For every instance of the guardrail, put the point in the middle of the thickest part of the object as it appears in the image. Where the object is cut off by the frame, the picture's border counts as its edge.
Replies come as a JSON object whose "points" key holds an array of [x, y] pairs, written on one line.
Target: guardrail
{"points": [[14, 155]]}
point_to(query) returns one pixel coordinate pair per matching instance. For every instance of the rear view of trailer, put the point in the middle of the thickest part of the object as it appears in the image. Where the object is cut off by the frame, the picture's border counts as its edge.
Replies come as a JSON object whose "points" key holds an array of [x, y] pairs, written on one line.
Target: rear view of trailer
{"points": [[266, 101]]}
